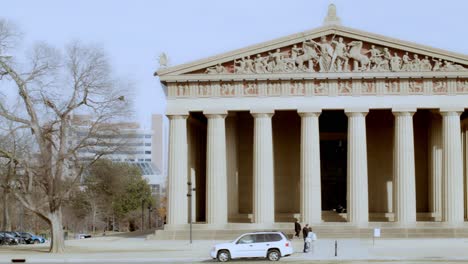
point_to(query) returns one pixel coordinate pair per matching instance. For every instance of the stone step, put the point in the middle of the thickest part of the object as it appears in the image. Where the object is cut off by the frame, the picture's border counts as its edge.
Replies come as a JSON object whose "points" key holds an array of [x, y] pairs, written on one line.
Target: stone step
{"points": [[322, 232]]}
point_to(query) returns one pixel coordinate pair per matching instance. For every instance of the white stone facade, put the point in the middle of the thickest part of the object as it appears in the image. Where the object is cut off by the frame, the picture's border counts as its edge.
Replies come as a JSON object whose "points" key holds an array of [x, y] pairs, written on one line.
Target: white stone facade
{"points": [[249, 127]]}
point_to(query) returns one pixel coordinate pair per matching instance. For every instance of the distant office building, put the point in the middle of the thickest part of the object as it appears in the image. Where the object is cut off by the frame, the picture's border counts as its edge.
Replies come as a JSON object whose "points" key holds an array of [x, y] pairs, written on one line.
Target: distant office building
{"points": [[124, 142]]}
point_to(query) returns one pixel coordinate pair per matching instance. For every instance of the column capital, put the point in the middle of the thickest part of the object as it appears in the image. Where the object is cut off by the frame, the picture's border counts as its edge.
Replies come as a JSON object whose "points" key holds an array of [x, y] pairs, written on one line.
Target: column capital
{"points": [[309, 114], [262, 110], [260, 115], [403, 113], [215, 113], [448, 109], [451, 111], [177, 116], [355, 114], [316, 110], [356, 111], [177, 113]]}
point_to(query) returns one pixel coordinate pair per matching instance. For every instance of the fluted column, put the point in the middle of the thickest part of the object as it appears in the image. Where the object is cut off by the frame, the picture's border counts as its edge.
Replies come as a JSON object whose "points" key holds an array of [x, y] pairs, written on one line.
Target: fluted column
{"points": [[311, 200], [263, 174], [404, 169], [358, 204], [452, 181], [177, 204], [216, 177], [465, 161], [435, 166]]}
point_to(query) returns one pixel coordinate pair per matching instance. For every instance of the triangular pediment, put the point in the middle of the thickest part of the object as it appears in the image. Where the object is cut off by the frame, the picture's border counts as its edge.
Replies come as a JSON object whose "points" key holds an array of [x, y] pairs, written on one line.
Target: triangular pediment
{"points": [[327, 49]]}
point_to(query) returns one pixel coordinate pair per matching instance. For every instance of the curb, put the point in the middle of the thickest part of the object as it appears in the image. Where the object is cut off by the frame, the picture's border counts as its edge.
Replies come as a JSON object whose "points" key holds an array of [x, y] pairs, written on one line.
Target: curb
{"points": [[120, 260], [189, 260]]}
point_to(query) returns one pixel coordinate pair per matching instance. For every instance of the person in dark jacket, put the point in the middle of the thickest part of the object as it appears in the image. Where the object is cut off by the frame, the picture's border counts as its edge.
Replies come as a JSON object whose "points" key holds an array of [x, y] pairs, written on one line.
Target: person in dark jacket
{"points": [[297, 228], [305, 232]]}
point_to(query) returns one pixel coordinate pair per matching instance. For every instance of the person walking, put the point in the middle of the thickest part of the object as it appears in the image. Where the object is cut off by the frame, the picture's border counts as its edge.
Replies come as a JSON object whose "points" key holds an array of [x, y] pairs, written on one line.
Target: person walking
{"points": [[305, 232], [311, 237], [297, 228]]}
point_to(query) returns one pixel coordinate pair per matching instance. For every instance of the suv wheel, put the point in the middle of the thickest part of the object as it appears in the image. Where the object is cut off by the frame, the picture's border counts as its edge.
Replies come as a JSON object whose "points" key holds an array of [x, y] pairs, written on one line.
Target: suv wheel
{"points": [[273, 255], [224, 256]]}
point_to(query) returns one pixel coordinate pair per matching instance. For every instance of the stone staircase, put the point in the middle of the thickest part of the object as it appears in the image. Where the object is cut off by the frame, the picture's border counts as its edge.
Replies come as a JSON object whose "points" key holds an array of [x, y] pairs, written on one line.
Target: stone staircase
{"points": [[334, 226], [330, 231]]}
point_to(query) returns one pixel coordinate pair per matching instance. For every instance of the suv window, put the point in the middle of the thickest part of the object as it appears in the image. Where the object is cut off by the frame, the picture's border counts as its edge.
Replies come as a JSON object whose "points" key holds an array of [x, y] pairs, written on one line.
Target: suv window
{"points": [[247, 239], [260, 238], [273, 237]]}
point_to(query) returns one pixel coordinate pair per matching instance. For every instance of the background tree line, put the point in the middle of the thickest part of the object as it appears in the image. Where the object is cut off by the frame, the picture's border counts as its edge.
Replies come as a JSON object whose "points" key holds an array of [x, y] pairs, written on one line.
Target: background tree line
{"points": [[41, 168]]}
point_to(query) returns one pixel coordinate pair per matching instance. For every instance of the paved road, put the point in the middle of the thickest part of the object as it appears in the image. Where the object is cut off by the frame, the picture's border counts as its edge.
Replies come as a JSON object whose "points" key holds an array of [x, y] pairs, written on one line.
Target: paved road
{"points": [[286, 261]]}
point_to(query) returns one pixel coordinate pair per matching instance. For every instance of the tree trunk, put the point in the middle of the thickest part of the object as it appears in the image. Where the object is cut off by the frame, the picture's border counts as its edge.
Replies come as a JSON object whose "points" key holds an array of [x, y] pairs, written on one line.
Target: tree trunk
{"points": [[6, 223], [94, 218], [57, 244]]}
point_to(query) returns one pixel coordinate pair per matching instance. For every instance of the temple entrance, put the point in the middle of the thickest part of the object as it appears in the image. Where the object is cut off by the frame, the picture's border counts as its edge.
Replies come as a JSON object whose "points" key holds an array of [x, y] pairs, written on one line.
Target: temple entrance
{"points": [[333, 161], [333, 171]]}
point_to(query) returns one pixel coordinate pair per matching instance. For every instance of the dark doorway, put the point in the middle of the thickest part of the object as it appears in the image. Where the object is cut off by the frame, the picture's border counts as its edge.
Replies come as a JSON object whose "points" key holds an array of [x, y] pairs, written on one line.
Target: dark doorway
{"points": [[333, 156], [196, 136]]}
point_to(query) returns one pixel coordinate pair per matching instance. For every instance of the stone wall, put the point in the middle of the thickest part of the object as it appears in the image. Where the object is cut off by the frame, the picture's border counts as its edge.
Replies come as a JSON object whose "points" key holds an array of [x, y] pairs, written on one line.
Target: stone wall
{"points": [[380, 131]]}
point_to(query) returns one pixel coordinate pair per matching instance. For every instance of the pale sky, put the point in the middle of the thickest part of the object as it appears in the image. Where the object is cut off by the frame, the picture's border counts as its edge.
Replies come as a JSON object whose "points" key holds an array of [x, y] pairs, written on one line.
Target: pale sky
{"points": [[135, 32]]}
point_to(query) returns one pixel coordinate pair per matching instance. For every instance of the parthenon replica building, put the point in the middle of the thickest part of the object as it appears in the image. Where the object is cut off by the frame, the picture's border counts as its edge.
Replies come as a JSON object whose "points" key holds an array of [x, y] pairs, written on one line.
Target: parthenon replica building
{"points": [[332, 126]]}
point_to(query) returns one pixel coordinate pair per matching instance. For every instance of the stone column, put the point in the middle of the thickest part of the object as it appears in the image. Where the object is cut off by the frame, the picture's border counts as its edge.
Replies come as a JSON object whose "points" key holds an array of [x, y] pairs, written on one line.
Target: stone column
{"points": [[452, 181], [177, 203], [216, 177], [358, 204], [463, 142], [435, 166], [311, 197], [465, 161], [232, 166], [404, 178], [263, 173]]}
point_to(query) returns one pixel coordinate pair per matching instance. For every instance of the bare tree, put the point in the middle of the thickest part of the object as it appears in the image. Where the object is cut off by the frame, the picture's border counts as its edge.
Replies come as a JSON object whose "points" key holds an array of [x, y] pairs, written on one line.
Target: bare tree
{"points": [[53, 85]]}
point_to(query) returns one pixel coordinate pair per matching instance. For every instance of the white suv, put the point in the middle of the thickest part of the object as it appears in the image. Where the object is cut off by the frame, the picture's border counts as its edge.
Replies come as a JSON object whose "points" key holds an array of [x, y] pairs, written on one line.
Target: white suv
{"points": [[270, 245]]}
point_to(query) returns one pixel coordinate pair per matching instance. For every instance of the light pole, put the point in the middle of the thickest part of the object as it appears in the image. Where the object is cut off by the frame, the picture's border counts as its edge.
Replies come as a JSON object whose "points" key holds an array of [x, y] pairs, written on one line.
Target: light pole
{"points": [[150, 210], [189, 195], [142, 215]]}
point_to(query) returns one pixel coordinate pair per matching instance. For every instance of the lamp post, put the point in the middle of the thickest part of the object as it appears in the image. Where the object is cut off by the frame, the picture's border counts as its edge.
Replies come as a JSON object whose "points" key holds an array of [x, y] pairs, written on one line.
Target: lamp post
{"points": [[150, 210], [142, 215], [189, 195]]}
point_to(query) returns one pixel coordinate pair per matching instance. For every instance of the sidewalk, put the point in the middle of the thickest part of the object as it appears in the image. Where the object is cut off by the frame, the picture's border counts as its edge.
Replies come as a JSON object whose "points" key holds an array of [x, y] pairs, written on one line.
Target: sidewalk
{"points": [[116, 249]]}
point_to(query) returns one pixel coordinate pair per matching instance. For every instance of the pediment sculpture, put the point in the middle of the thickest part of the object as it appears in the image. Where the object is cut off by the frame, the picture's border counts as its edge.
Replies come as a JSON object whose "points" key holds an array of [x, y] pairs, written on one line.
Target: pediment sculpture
{"points": [[333, 54]]}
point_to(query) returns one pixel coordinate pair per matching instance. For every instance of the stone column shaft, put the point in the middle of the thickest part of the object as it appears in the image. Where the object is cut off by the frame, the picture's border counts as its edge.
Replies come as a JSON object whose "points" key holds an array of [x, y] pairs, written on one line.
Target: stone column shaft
{"points": [[311, 200], [263, 173], [358, 204], [177, 204], [404, 170], [452, 183], [216, 177], [465, 161]]}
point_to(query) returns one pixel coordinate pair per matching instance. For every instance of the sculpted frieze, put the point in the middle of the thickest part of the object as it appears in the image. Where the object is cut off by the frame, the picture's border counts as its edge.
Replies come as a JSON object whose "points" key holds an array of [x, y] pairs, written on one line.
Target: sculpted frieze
{"points": [[368, 87], [345, 87], [317, 87], [333, 54], [440, 86], [416, 86], [392, 86], [462, 86], [250, 88], [227, 89]]}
